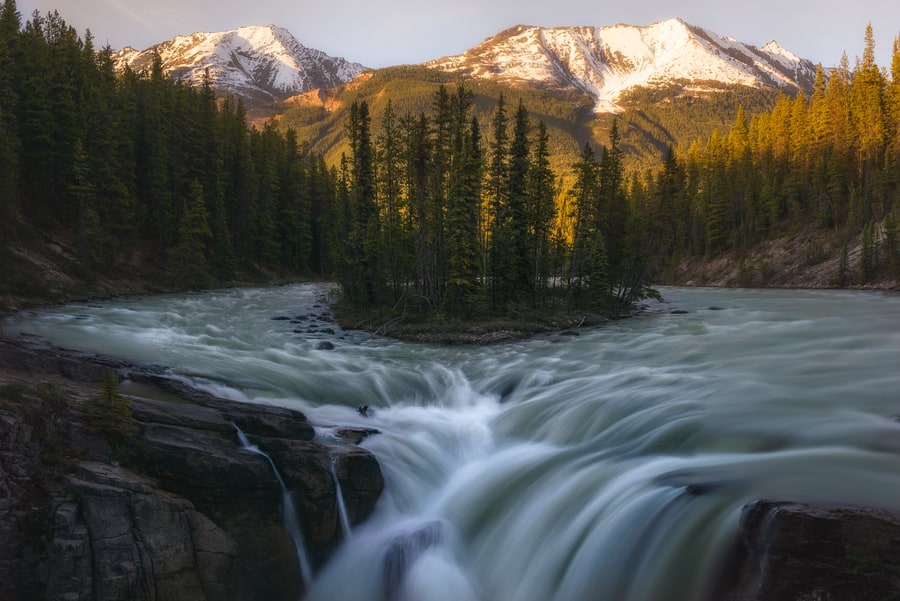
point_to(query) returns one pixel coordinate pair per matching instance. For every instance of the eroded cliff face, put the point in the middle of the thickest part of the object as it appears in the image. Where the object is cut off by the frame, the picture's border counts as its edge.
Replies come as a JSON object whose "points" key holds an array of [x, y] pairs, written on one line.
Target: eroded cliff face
{"points": [[179, 512], [793, 552]]}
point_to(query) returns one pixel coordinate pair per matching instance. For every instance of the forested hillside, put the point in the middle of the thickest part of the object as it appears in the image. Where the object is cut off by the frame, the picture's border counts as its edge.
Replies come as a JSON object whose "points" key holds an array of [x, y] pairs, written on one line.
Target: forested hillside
{"points": [[419, 190], [653, 118], [829, 161], [133, 173]]}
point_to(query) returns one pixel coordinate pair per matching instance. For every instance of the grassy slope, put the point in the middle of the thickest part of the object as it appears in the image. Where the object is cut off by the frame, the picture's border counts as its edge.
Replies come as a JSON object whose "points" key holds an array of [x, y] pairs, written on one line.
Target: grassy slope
{"points": [[653, 119]]}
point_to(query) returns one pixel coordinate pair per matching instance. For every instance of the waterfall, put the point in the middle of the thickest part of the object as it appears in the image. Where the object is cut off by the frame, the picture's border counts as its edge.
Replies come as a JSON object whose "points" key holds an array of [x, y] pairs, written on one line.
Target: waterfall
{"points": [[289, 512], [609, 466], [342, 508]]}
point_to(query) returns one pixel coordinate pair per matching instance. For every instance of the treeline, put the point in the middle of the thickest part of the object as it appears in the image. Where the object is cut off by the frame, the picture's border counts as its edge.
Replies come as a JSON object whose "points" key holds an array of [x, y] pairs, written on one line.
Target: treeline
{"points": [[436, 214], [136, 163], [830, 159]]}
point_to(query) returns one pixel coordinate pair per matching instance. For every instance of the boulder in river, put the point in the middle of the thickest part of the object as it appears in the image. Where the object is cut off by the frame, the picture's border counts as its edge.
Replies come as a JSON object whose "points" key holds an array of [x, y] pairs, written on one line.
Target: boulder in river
{"points": [[791, 552]]}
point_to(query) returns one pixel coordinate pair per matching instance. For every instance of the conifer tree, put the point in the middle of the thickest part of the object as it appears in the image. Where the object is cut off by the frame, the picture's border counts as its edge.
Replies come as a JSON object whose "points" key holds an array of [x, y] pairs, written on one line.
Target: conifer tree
{"points": [[363, 251], [868, 254], [464, 206], [513, 267], [585, 253], [497, 195], [541, 212], [391, 201], [89, 233], [188, 256], [10, 23]]}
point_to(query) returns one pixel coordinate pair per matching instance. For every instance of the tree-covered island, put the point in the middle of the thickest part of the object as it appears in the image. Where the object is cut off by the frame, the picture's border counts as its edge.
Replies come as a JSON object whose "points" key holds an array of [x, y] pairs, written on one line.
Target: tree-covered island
{"points": [[115, 181]]}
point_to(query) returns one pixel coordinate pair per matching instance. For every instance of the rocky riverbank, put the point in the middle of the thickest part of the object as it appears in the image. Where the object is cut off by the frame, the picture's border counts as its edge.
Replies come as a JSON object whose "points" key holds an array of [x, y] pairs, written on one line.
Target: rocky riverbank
{"points": [[174, 510]]}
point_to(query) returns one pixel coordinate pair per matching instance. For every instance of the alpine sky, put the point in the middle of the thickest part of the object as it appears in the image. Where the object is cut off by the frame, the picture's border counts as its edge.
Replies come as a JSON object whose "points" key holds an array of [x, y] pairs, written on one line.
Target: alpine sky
{"points": [[393, 32]]}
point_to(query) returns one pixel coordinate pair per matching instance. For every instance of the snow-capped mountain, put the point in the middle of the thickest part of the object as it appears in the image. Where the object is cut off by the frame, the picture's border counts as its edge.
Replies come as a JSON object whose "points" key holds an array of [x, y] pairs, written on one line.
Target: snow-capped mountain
{"points": [[605, 61], [259, 62]]}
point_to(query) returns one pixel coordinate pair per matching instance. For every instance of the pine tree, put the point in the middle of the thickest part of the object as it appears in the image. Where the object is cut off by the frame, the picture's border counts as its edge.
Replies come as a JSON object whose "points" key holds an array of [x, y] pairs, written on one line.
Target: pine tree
{"points": [[867, 254], [511, 225], [10, 23], [188, 256], [363, 254], [109, 412], [393, 206], [91, 241], [497, 197], [541, 212], [843, 266], [463, 288], [584, 194], [613, 210]]}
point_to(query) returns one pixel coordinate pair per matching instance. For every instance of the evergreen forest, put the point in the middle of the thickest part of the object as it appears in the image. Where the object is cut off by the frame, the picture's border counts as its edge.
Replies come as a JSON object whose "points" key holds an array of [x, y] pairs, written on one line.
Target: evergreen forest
{"points": [[466, 208]]}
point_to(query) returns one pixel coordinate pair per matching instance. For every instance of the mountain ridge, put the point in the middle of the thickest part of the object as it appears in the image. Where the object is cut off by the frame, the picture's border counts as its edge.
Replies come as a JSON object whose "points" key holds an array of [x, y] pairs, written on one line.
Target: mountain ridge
{"points": [[609, 60], [261, 63], [266, 63]]}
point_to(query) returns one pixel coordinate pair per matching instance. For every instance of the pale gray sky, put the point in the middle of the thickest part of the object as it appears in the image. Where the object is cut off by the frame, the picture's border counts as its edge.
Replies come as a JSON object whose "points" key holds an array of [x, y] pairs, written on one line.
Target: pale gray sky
{"points": [[381, 33]]}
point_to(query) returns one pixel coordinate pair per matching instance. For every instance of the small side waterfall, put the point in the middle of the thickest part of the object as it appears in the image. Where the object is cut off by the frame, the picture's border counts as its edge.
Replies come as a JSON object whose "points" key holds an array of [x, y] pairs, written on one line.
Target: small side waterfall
{"points": [[289, 512], [342, 508]]}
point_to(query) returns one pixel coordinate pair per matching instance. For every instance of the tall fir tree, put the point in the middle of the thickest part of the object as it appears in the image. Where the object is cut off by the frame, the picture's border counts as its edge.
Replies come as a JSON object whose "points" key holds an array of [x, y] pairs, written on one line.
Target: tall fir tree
{"points": [[463, 290], [188, 256]]}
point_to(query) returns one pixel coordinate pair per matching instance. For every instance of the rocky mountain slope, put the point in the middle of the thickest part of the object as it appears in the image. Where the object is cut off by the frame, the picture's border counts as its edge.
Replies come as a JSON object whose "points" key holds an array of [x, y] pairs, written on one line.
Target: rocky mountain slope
{"points": [[606, 61], [258, 63], [265, 63]]}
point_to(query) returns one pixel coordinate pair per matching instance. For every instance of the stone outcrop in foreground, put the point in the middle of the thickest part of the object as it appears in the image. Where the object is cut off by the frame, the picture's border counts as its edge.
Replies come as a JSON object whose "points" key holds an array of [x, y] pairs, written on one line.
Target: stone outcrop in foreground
{"points": [[178, 512], [796, 552]]}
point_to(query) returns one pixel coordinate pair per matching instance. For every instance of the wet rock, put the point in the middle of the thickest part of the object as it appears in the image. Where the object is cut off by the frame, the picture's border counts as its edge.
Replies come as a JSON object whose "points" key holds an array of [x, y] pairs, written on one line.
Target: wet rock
{"points": [[36, 356], [325, 345], [117, 533], [355, 435], [791, 551], [402, 552], [281, 318], [678, 312], [192, 516]]}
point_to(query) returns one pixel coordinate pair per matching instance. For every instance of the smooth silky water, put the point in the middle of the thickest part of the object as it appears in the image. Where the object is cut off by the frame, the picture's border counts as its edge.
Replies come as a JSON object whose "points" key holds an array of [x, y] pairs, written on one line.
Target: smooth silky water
{"points": [[608, 466]]}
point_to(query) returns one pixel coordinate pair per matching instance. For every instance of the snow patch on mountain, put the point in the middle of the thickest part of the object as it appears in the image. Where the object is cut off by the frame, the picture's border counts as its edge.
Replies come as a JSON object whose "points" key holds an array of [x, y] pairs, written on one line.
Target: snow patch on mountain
{"points": [[606, 61], [256, 62]]}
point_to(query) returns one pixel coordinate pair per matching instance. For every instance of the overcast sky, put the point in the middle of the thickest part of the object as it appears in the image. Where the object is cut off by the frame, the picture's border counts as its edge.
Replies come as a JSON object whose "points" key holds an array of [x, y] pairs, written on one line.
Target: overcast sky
{"points": [[380, 33]]}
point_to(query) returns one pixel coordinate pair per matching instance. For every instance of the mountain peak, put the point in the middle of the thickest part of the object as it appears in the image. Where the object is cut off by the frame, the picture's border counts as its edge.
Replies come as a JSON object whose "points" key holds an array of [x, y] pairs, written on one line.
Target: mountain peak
{"points": [[257, 62], [606, 61]]}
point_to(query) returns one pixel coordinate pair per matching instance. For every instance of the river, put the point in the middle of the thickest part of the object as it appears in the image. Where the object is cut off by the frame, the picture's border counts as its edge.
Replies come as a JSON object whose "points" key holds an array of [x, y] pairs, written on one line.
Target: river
{"points": [[611, 465]]}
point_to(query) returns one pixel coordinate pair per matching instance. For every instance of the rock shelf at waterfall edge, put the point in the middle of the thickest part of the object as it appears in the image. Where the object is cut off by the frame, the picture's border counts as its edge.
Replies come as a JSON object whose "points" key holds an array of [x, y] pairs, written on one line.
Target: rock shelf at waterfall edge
{"points": [[183, 512], [189, 515]]}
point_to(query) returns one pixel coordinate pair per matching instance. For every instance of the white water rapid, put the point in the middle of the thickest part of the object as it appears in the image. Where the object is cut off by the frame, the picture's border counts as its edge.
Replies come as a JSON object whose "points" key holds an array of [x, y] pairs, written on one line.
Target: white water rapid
{"points": [[608, 466]]}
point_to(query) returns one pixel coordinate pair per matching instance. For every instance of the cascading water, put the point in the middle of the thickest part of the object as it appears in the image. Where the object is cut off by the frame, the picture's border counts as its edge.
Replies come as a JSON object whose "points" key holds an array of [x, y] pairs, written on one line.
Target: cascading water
{"points": [[342, 507], [289, 511], [611, 466]]}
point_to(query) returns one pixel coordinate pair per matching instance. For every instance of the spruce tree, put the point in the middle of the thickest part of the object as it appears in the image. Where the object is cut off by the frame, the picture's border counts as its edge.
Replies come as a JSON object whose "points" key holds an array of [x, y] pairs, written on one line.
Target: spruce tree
{"points": [[392, 203], [497, 197], [584, 194], [541, 212], [188, 256], [463, 289]]}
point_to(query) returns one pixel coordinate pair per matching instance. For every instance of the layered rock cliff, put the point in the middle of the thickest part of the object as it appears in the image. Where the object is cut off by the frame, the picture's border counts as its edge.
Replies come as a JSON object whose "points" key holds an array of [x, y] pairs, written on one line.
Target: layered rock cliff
{"points": [[176, 510]]}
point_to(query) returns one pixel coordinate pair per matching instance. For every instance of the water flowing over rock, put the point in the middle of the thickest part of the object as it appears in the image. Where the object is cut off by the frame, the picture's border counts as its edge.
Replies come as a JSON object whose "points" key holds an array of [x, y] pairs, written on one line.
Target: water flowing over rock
{"points": [[192, 517], [611, 466]]}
